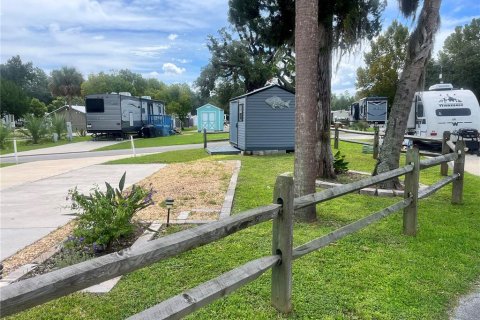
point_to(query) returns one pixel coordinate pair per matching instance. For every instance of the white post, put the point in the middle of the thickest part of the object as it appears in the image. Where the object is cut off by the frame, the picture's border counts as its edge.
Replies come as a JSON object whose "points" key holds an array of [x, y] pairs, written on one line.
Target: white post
{"points": [[15, 150], [133, 146]]}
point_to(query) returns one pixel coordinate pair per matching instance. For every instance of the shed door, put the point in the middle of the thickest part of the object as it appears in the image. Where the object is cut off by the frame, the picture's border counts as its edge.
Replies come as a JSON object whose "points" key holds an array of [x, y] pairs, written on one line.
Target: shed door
{"points": [[208, 121], [234, 122]]}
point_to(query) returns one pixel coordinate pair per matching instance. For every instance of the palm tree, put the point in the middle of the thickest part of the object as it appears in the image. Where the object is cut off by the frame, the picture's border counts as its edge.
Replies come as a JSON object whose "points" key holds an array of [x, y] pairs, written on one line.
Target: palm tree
{"points": [[66, 82], [306, 64], [419, 49]]}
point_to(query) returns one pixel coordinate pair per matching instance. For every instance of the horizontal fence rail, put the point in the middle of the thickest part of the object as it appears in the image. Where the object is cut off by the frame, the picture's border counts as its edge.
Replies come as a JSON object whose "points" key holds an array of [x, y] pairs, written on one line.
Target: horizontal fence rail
{"points": [[348, 229], [193, 299], [25, 294], [328, 194], [34, 291]]}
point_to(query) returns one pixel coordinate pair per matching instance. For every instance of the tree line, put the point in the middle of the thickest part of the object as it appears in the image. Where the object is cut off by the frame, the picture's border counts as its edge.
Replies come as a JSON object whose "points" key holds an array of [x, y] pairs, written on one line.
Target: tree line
{"points": [[26, 89]]}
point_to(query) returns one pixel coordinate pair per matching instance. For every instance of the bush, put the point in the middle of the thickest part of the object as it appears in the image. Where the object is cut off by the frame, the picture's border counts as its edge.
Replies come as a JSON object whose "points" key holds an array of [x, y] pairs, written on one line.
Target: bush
{"points": [[34, 128], [5, 132], [107, 216], [360, 125], [58, 125], [339, 164]]}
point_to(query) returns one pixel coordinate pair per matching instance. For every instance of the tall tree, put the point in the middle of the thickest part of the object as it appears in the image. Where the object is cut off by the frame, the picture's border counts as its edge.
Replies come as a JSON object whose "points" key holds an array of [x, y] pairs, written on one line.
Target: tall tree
{"points": [[66, 82], [383, 63], [420, 46], [306, 50], [459, 59], [13, 99]]}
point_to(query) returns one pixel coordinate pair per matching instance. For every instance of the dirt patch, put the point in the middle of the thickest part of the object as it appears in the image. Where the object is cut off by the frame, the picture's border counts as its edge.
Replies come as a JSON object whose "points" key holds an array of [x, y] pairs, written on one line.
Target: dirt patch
{"points": [[198, 187]]}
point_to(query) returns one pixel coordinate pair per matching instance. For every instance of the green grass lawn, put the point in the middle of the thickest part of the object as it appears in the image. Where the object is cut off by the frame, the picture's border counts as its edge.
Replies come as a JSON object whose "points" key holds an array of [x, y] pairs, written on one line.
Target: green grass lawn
{"points": [[3, 165], [189, 137], [376, 273], [28, 145]]}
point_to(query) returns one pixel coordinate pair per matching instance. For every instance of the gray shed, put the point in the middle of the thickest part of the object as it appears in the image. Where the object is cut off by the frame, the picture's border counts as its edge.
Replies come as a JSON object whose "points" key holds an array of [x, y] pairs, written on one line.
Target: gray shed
{"points": [[263, 119]]}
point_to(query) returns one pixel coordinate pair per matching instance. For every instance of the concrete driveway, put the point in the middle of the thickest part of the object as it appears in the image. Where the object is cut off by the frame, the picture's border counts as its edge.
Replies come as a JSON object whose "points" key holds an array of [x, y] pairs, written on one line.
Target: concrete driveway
{"points": [[31, 210]]}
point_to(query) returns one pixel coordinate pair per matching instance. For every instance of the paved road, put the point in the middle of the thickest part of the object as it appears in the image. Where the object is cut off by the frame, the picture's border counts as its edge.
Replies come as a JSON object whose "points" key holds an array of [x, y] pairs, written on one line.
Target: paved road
{"points": [[42, 153]]}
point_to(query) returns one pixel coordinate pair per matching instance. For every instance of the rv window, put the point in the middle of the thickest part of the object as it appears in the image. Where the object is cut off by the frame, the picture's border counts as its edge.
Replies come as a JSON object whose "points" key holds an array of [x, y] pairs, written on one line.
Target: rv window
{"points": [[95, 105], [420, 113], [453, 112], [240, 112]]}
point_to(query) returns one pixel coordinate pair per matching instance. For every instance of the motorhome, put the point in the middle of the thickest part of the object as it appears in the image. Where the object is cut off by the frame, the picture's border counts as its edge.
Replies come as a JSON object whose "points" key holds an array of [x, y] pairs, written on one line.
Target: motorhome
{"points": [[118, 114], [370, 109], [443, 108]]}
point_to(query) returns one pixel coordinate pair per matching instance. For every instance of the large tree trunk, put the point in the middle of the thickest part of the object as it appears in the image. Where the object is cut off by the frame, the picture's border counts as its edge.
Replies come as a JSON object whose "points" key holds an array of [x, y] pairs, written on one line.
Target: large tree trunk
{"points": [[306, 49], [419, 49], [324, 151]]}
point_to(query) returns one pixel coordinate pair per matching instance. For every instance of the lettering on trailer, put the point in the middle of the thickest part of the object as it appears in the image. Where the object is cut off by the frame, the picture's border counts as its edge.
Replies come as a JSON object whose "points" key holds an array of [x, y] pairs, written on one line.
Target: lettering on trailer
{"points": [[449, 101]]}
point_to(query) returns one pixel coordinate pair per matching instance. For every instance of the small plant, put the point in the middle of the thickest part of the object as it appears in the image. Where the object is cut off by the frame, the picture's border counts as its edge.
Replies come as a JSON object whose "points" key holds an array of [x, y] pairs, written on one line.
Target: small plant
{"points": [[360, 125], [34, 128], [107, 216], [58, 125], [339, 163], [5, 132]]}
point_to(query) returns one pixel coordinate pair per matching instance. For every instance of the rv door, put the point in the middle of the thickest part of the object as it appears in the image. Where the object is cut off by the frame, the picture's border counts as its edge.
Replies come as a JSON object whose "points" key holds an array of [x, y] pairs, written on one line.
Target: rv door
{"points": [[421, 121]]}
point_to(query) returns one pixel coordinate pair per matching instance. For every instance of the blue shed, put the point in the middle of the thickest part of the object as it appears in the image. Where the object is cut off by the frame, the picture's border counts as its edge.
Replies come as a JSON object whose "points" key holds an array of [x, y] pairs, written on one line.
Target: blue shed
{"points": [[209, 117], [263, 119]]}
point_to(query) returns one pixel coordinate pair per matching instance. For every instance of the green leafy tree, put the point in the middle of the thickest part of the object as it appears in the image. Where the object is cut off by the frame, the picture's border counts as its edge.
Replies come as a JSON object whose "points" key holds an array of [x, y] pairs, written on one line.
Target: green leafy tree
{"points": [[37, 87], [384, 62], [16, 71], [342, 101], [66, 82], [420, 46], [13, 99], [119, 81], [459, 59], [37, 108]]}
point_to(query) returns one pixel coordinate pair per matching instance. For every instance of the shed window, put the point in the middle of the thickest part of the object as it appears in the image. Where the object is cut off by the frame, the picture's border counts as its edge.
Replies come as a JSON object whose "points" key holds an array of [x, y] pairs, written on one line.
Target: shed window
{"points": [[240, 112], [453, 112], [95, 105]]}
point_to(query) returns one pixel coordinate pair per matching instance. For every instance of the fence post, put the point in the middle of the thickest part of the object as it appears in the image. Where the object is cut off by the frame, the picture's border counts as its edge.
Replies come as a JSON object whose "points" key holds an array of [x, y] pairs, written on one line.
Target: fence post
{"points": [[204, 138], [376, 140], [133, 146], [282, 243], [335, 141], [458, 168], [411, 191], [445, 150]]}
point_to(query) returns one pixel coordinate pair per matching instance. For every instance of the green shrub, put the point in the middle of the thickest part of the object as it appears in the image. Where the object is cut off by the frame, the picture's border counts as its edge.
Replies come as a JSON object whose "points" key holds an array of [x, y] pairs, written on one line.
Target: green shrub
{"points": [[360, 125], [5, 132], [58, 125], [107, 216], [34, 128], [339, 164]]}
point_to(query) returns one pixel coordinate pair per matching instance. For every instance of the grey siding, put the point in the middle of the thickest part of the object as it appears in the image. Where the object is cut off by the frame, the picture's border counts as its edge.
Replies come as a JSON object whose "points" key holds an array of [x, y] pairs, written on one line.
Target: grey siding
{"points": [[110, 119], [267, 128]]}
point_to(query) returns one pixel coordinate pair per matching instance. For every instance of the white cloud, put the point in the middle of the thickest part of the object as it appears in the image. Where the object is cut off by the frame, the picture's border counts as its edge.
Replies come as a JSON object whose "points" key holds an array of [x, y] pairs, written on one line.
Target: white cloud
{"points": [[172, 36], [172, 69]]}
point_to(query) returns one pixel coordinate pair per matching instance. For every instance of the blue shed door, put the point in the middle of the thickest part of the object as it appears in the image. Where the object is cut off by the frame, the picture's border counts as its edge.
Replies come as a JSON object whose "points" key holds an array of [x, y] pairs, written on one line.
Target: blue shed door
{"points": [[234, 122], [208, 121]]}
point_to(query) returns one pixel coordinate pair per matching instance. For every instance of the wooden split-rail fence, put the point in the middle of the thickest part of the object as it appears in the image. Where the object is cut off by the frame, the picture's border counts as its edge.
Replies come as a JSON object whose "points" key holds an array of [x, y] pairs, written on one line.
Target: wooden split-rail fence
{"points": [[40, 289], [376, 139]]}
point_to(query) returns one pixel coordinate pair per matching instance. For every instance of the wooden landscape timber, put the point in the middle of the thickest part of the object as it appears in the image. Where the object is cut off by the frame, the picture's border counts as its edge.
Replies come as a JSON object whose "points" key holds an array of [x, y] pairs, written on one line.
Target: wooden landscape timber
{"points": [[34, 291]]}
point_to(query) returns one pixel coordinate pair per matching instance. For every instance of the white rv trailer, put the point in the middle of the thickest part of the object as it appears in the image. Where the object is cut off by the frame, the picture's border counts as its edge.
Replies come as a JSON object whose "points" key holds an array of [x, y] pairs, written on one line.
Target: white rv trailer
{"points": [[443, 108], [370, 109], [119, 114]]}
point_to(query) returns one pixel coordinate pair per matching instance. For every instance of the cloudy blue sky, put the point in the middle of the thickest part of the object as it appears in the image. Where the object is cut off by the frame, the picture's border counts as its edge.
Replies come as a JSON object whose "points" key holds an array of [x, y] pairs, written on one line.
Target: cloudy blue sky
{"points": [[165, 39]]}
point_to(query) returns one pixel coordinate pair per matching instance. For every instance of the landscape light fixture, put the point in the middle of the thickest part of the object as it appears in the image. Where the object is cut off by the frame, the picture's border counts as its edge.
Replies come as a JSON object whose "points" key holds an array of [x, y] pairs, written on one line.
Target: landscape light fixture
{"points": [[169, 204]]}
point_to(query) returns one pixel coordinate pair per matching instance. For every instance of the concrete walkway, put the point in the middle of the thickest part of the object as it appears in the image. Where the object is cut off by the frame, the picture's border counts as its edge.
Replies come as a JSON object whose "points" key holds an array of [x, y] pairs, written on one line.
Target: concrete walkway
{"points": [[32, 209]]}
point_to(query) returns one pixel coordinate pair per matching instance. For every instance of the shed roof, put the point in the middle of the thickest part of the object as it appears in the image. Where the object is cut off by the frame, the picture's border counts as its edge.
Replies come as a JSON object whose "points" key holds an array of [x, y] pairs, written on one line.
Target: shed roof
{"points": [[262, 89], [208, 105], [76, 108]]}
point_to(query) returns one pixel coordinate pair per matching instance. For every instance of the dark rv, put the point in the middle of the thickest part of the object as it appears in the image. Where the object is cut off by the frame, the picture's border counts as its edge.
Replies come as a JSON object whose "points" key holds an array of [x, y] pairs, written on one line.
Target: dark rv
{"points": [[120, 114], [370, 109], [263, 119]]}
